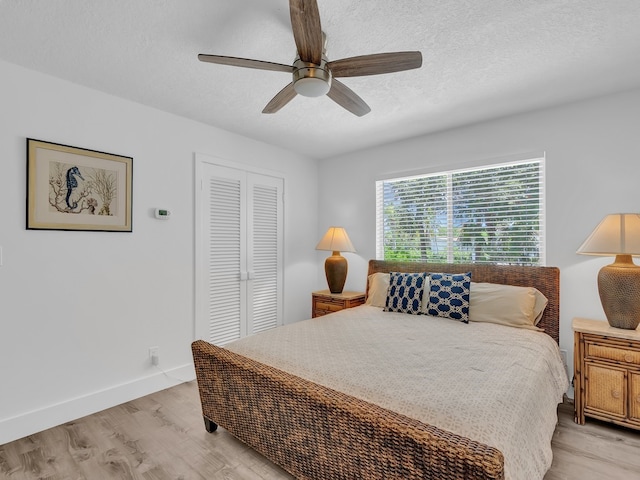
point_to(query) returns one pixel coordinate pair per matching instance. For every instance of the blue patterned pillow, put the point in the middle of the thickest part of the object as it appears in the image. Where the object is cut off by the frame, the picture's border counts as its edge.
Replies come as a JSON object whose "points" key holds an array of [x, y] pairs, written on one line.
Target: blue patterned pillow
{"points": [[405, 292], [449, 296]]}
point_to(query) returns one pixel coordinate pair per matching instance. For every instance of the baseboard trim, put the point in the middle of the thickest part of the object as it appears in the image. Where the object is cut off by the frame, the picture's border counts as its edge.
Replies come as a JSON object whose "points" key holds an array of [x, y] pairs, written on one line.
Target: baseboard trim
{"points": [[19, 426]]}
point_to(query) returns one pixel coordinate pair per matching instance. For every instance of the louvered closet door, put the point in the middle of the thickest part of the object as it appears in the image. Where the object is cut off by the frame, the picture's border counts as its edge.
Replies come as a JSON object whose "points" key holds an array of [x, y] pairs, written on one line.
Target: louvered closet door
{"points": [[240, 286], [224, 252], [265, 251]]}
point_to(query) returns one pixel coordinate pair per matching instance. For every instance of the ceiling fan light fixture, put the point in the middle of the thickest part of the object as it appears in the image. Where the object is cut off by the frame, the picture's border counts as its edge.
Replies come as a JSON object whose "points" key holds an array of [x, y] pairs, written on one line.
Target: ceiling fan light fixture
{"points": [[310, 80], [311, 87]]}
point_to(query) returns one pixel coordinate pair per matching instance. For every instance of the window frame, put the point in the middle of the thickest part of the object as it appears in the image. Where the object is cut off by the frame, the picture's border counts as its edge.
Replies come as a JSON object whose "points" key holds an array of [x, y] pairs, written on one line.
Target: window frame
{"points": [[479, 165]]}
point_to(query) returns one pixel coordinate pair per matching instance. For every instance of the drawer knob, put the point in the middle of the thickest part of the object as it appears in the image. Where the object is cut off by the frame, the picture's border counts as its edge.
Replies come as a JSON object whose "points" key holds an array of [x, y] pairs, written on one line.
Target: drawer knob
{"points": [[615, 394], [628, 358]]}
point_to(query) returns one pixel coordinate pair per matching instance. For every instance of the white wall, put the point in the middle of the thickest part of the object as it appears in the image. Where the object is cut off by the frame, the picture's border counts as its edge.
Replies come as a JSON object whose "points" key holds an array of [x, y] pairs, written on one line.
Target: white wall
{"points": [[593, 168], [79, 310]]}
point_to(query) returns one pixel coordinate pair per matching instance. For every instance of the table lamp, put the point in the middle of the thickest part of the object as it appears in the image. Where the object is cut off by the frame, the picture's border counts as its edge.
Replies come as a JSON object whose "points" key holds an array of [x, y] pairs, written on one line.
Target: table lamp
{"points": [[336, 240], [618, 283]]}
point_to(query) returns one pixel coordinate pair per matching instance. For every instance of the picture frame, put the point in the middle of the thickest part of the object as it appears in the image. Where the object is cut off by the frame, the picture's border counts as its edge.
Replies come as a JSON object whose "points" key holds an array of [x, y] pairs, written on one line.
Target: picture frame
{"points": [[71, 188]]}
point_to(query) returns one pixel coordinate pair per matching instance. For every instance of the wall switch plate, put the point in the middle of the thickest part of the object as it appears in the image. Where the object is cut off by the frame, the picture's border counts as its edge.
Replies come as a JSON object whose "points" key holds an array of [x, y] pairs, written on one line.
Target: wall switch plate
{"points": [[154, 355]]}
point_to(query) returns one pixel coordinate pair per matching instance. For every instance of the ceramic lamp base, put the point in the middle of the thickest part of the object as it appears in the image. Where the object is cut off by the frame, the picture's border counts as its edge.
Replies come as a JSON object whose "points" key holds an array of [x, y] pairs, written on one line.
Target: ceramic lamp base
{"points": [[335, 269], [619, 287]]}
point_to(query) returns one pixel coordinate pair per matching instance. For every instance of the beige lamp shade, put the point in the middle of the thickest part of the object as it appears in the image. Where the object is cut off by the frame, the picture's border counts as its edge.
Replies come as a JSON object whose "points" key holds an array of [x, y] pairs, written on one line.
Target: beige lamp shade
{"points": [[336, 240], [618, 283], [617, 234]]}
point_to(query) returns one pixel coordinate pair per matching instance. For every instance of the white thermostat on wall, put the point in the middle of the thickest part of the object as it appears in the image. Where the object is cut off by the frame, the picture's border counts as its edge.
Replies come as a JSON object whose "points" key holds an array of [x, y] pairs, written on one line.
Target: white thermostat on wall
{"points": [[162, 213]]}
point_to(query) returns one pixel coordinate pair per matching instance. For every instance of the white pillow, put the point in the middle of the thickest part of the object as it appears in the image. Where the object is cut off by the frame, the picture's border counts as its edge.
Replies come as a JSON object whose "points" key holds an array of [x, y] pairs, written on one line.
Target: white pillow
{"points": [[378, 287], [505, 305], [541, 304]]}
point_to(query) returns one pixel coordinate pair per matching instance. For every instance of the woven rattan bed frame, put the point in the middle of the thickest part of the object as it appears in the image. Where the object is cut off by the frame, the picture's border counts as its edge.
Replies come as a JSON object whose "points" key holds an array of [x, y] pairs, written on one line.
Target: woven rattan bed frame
{"points": [[317, 433]]}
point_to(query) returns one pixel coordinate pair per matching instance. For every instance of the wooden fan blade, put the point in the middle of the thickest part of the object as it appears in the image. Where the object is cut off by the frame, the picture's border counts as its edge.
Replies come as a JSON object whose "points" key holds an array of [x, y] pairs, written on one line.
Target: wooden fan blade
{"points": [[245, 62], [283, 97], [375, 64], [347, 98], [307, 32]]}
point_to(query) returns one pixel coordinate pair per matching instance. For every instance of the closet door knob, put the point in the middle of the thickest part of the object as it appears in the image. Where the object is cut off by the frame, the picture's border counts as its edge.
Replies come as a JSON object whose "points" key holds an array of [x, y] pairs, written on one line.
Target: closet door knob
{"points": [[615, 394]]}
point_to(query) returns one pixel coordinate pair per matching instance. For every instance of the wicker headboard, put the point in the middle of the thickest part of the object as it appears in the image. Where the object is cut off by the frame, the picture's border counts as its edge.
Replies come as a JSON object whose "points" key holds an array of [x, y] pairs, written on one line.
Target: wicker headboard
{"points": [[545, 279]]}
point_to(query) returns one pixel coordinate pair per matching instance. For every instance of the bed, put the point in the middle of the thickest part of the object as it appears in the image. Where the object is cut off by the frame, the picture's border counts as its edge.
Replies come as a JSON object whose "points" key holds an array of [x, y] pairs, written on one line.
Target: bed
{"points": [[379, 404]]}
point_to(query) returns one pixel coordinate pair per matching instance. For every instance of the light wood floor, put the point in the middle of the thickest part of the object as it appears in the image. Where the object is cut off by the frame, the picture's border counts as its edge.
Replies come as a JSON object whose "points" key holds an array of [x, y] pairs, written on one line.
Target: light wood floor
{"points": [[162, 437]]}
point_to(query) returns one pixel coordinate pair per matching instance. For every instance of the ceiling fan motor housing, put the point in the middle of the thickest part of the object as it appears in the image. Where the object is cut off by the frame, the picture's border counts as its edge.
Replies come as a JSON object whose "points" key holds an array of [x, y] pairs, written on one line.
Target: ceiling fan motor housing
{"points": [[311, 80]]}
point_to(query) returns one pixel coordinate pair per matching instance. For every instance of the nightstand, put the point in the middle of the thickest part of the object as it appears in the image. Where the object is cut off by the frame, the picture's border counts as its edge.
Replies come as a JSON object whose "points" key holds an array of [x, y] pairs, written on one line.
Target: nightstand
{"points": [[607, 373], [324, 302]]}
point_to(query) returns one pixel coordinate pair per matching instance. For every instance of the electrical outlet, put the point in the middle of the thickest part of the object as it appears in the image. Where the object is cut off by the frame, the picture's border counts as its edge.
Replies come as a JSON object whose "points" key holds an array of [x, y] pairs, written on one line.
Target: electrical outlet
{"points": [[154, 355]]}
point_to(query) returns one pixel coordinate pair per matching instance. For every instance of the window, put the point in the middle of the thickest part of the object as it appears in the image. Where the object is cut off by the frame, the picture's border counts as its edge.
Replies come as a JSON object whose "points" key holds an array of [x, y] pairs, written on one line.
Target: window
{"points": [[492, 214]]}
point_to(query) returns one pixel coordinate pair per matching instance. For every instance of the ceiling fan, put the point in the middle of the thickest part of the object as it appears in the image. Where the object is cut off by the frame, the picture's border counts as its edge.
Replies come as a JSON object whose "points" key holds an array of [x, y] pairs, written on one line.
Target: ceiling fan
{"points": [[313, 74]]}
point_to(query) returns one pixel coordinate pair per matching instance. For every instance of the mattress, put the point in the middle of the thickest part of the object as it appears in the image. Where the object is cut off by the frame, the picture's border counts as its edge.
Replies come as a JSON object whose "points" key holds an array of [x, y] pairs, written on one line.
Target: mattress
{"points": [[494, 384]]}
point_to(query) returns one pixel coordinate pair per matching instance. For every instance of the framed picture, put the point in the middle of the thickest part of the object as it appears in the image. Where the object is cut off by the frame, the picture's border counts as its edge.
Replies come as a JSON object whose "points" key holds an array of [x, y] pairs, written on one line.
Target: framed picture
{"points": [[71, 188]]}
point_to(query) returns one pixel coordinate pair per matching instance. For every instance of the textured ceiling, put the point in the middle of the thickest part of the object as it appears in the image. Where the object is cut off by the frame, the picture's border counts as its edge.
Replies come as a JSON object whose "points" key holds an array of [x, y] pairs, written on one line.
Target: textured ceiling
{"points": [[481, 59]]}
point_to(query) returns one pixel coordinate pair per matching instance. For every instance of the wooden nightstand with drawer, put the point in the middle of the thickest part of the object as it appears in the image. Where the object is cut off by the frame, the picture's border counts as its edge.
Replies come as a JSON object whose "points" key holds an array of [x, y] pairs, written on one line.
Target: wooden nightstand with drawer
{"points": [[607, 373], [324, 302]]}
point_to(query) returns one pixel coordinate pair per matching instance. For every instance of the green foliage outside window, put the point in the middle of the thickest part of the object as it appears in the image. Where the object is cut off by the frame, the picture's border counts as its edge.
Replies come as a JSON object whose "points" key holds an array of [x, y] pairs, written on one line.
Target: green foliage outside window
{"points": [[490, 215]]}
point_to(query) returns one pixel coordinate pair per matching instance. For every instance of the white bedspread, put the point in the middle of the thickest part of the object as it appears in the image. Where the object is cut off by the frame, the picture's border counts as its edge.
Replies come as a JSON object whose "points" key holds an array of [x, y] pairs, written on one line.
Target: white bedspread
{"points": [[495, 384]]}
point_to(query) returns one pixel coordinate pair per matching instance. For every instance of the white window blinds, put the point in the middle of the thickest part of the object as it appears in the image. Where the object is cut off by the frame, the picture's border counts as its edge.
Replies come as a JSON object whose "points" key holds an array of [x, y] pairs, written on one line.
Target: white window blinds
{"points": [[493, 214]]}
